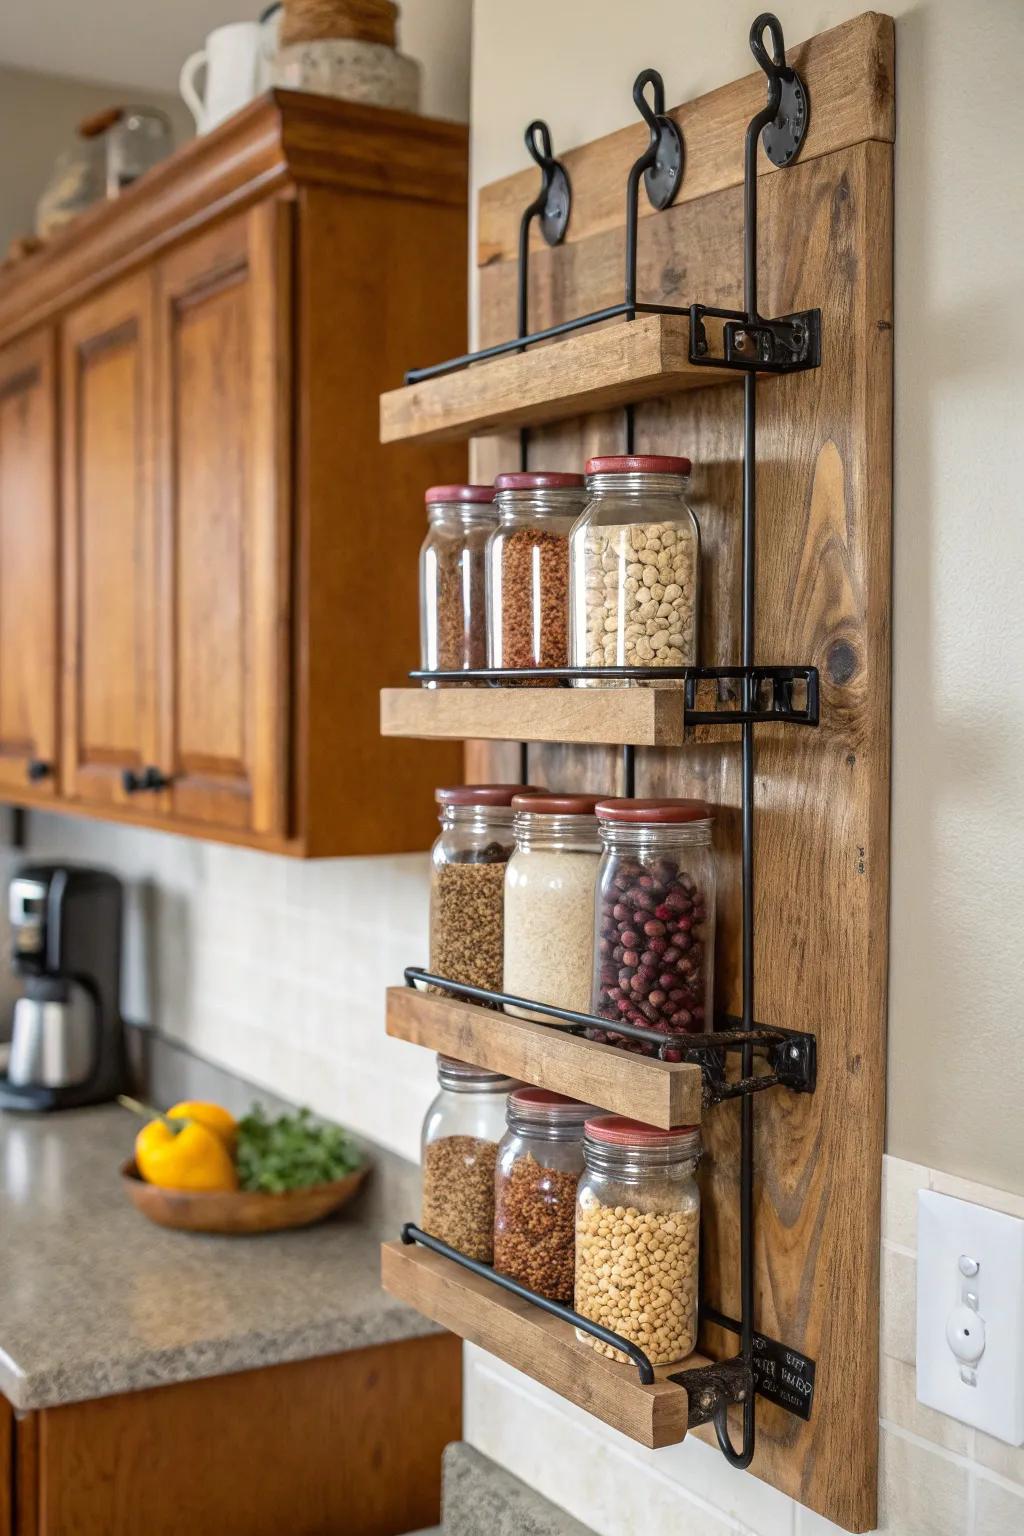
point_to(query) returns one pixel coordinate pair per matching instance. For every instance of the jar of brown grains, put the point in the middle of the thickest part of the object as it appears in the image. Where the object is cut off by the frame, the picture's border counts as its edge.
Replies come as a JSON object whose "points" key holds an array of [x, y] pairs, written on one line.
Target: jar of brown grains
{"points": [[654, 946], [461, 1133], [635, 589], [638, 1236], [453, 565], [528, 569], [467, 882], [540, 1160]]}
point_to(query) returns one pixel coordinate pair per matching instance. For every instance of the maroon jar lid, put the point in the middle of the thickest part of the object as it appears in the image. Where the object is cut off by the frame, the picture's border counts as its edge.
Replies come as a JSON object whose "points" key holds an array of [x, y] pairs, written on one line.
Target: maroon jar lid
{"points": [[474, 493], [660, 811], [547, 804], [483, 794], [617, 1131], [638, 463], [546, 480]]}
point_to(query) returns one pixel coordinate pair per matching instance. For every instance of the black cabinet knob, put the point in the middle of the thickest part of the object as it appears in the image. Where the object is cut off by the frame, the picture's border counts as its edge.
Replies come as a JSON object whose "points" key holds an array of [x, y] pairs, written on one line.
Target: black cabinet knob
{"points": [[131, 782], [38, 769], [154, 779], [149, 778]]}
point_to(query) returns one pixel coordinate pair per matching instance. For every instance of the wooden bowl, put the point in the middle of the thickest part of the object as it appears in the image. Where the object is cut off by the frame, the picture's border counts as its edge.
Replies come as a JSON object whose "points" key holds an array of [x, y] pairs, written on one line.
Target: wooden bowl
{"points": [[237, 1211]]}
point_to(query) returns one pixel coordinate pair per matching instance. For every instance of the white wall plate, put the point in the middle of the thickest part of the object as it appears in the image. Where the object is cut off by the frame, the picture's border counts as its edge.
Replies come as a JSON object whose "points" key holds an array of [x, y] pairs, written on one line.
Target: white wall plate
{"points": [[970, 1314]]}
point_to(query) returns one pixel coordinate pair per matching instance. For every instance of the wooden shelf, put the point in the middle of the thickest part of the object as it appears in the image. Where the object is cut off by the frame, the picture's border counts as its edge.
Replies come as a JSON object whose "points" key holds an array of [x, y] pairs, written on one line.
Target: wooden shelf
{"points": [[661, 1093], [541, 1346], [641, 717], [591, 370]]}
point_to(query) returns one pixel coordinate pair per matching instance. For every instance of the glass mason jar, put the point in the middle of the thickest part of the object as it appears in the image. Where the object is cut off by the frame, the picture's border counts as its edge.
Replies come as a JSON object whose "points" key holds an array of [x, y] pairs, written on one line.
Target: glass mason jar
{"points": [[460, 1140], [540, 1160], [549, 902], [638, 1222], [453, 581], [467, 882], [528, 569], [635, 589], [654, 949]]}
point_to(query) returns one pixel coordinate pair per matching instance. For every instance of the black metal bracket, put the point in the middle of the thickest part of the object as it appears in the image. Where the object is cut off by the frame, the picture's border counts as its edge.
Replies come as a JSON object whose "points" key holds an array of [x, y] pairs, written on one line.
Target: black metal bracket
{"points": [[713, 1389], [786, 345]]}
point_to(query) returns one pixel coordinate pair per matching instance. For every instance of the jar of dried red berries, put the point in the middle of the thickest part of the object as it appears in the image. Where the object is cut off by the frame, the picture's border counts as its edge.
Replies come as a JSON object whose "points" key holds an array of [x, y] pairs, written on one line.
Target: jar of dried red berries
{"points": [[654, 945], [453, 584], [528, 569]]}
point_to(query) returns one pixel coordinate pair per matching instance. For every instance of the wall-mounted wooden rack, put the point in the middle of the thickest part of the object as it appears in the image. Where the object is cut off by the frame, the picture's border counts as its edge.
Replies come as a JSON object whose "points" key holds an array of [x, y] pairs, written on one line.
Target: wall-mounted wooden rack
{"points": [[798, 1251]]}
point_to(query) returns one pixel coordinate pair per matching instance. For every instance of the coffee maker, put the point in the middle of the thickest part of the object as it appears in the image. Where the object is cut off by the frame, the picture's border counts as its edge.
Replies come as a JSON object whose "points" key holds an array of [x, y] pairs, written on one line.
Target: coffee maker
{"points": [[67, 1045]]}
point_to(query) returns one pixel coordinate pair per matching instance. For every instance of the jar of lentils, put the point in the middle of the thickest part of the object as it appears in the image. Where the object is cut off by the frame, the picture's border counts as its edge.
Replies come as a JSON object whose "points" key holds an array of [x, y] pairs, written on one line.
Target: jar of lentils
{"points": [[638, 1237], [453, 590], [540, 1160], [467, 882], [654, 947], [635, 585], [528, 569], [461, 1133], [549, 902]]}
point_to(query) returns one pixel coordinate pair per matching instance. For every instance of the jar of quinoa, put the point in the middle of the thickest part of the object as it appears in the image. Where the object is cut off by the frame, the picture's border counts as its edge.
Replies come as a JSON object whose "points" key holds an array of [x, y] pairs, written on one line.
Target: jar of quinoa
{"points": [[460, 1140], [549, 902], [467, 882], [453, 590], [654, 947], [635, 585], [638, 1237], [540, 1160], [528, 569]]}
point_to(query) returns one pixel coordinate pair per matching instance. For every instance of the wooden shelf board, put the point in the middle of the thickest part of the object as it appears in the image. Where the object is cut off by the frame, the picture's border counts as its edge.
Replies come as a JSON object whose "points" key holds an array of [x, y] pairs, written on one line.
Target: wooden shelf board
{"points": [[641, 717], [660, 1093], [591, 370], [541, 1346]]}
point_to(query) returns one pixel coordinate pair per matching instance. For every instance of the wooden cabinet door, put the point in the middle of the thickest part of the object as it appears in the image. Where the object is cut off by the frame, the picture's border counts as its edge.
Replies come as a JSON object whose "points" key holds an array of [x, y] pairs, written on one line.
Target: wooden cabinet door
{"points": [[223, 429], [29, 568], [110, 699]]}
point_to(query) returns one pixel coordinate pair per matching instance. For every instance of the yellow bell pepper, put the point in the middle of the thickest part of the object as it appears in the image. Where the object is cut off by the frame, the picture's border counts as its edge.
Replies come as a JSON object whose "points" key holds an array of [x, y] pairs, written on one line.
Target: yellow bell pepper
{"points": [[213, 1116], [192, 1157]]}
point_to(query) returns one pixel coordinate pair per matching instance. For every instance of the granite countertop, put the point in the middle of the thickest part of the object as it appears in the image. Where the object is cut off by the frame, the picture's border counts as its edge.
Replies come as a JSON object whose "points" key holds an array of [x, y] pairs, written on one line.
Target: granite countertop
{"points": [[95, 1300]]}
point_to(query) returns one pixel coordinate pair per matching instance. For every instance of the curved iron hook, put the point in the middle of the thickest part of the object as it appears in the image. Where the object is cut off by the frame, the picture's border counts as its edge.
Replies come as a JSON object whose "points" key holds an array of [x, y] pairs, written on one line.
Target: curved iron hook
{"points": [[661, 163], [554, 200], [783, 123], [773, 64]]}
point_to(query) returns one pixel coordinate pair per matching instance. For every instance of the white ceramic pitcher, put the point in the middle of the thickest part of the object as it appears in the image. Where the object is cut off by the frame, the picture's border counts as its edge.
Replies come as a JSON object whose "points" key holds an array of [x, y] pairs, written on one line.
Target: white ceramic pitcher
{"points": [[237, 69]]}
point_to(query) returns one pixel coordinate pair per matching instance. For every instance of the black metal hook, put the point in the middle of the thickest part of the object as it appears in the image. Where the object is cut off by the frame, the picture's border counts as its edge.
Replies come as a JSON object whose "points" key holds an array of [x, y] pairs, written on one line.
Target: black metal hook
{"points": [[662, 161], [788, 111], [554, 200]]}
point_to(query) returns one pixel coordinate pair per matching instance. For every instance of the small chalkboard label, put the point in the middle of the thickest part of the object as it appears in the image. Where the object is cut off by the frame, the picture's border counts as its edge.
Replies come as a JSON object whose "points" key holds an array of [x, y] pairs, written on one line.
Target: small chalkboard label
{"points": [[783, 1376]]}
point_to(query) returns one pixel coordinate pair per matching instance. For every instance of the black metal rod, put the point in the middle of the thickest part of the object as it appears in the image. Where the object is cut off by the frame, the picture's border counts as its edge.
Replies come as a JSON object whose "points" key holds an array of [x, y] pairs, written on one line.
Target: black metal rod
{"points": [[524, 762], [629, 772], [413, 1234]]}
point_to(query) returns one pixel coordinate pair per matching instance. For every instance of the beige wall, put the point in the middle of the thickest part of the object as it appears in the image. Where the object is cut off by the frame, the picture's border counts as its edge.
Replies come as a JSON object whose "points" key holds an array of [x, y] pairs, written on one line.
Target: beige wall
{"points": [[38, 114], [956, 1058]]}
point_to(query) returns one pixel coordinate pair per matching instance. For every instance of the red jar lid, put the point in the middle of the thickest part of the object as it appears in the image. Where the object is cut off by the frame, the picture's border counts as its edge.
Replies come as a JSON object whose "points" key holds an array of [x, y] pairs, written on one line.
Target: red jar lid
{"points": [[546, 804], [637, 463], [483, 794], [475, 493], [617, 1131], [543, 1098], [542, 480], [660, 811]]}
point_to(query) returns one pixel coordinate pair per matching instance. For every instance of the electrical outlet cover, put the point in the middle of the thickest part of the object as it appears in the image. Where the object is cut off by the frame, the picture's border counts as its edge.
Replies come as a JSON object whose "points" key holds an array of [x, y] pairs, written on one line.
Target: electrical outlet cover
{"points": [[948, 1293]]}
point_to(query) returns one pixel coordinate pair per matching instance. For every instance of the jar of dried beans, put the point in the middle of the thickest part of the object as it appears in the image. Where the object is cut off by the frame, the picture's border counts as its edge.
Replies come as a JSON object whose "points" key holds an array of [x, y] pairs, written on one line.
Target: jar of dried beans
{"points": [[467, 882], [453, 565], [540, 1160], [549, 902], [654, 948], [638, 1237], [635, 568], [461, 1133], [528, 569]]}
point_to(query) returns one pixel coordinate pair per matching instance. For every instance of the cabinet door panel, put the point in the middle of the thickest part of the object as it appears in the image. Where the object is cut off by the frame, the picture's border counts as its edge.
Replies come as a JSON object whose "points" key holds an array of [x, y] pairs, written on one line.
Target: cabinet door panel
{"points": [[28, 565], [110, 700], [222, 328]]}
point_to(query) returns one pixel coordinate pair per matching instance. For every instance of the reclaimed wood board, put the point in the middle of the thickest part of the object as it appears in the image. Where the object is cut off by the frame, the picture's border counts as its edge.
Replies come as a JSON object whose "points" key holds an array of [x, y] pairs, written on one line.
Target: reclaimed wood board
{"points": [[823, 582]]}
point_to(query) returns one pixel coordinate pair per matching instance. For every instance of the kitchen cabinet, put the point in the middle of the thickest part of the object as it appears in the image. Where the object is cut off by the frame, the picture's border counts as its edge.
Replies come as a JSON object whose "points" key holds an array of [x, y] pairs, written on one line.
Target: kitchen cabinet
{"points": [[207, 559], [334, 1444], [28, 564]]}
